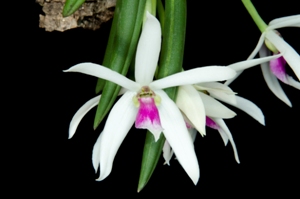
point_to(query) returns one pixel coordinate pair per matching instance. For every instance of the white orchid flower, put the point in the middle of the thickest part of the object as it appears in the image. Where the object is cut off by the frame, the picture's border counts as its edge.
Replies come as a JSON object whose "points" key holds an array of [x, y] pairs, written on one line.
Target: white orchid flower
{"points": [[190, 102], [145, 103], [198, 102], [276, 68], [201, 109], [195, 105]]}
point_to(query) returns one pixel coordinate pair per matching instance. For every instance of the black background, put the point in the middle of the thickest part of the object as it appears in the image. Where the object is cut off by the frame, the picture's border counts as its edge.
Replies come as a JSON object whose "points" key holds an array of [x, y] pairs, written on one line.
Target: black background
{"points": [[218, 33]]}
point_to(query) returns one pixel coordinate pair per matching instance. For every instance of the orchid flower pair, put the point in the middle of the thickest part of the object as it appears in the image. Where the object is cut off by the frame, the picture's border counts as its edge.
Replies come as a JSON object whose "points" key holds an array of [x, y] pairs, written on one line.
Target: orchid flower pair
{"points": [[276, 68], [145, 103]]}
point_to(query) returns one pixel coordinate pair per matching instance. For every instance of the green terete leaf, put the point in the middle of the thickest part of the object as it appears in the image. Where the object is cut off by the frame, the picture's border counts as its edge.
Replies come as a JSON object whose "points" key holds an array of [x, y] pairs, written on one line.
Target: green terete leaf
{"points": [[120, 50], [170, 62], [71, 6]]}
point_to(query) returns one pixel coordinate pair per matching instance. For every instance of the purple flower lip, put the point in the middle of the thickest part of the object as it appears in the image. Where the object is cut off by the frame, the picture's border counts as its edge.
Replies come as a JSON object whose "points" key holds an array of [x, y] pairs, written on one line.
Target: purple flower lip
{"points": [[277, 67], [212, 124], [148, 115]]}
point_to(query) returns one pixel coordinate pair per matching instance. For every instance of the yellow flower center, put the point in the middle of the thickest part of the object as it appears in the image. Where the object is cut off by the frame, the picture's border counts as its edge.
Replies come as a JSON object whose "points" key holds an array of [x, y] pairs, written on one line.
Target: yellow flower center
{"points": [[146, 92]]}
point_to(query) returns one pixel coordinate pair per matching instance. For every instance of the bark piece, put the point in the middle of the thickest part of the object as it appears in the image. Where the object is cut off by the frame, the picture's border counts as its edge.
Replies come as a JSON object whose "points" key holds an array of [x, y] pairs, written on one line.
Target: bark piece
{"points": [[89, 16]]}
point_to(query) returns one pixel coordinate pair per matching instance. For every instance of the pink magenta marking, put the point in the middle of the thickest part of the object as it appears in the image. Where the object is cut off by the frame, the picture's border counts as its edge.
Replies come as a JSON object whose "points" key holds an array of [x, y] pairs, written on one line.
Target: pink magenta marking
{"points": [[210, 123], [277, 67], [147, 116]]}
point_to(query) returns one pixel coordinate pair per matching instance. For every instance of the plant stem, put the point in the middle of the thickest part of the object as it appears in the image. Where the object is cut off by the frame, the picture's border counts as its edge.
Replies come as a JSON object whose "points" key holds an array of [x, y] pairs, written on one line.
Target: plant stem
{"points": [[255, 16]]}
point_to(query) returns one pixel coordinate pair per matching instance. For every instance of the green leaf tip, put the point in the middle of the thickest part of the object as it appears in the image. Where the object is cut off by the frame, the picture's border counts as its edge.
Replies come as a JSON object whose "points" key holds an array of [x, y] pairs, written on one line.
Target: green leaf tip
{"points": [[71, 6], [151, 155], [171, 60]]}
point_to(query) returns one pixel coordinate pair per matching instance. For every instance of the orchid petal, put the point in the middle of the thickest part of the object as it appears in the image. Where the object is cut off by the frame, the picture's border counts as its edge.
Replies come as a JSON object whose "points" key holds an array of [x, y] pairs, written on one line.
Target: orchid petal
{"points": [[102, 72], [83, 110], [212, 124], [148, 51], [193, 133], [258, 46], [250, 108], [190, 103], [218, 90], [296, 25], [271, 80], [289, 54], [292, 82], [217, 87], [119, 122], [251, 56], [282, 19], [188, 123], [193, 76], [167, 152], [225, 129], [238, 73], [288, 21], [214, 108], [253, 62], [223, 136], [81, 113], [178, 136]]}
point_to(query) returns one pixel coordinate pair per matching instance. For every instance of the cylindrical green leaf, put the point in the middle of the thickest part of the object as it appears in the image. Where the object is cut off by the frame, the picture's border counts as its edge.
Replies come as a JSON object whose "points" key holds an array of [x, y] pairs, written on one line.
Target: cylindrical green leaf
{"points": [[121, 48], [109, 48], [161, 14], [151, 154], [71, 6], [170, 62]]}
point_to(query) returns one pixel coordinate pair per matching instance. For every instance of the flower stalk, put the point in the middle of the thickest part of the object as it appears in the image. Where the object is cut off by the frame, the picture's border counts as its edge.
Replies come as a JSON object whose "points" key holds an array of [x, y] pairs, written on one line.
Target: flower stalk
{"points": [[255, 16]]}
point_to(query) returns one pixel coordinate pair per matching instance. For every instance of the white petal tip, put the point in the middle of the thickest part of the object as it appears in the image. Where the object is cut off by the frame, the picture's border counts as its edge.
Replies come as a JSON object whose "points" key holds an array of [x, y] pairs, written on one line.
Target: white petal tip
{"points": [[287, 102], [156, 136], [71, 134], [195, 181], [148, 14], [237, 159], [101, 178], [233, 114], [261, 120], [96, 167], [202, 134]]}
